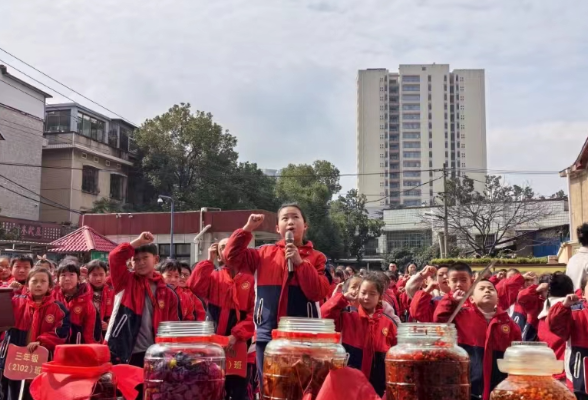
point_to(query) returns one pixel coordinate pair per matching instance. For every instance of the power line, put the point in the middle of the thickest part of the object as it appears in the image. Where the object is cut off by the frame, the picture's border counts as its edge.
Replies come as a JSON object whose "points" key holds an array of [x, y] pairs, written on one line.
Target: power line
{"points": [[31, 191], [406, 190], [39, 201], [60, 83], [56, 91]]}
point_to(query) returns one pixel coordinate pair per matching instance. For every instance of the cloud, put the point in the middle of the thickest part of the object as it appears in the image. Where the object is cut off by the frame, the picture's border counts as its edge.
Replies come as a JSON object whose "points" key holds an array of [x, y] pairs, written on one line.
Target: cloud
{"points": [[281, 75]]}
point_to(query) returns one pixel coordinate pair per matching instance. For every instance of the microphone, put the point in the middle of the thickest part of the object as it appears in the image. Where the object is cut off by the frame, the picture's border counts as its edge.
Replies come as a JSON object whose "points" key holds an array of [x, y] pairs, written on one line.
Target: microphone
{"points": [[290, 239]]}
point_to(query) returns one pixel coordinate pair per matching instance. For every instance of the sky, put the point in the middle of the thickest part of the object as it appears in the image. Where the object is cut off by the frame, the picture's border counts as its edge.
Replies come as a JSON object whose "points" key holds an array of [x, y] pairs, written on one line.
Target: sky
{"points": [[281, 75]]}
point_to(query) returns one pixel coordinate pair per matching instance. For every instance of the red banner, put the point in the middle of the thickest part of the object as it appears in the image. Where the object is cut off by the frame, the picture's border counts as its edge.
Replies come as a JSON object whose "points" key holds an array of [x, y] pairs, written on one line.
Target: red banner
{"points": [[22, 364]]}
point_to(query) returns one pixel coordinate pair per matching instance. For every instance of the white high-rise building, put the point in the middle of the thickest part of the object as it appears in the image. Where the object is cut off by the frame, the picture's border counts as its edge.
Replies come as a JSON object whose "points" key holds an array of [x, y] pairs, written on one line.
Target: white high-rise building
{"points": [[410, 123]]}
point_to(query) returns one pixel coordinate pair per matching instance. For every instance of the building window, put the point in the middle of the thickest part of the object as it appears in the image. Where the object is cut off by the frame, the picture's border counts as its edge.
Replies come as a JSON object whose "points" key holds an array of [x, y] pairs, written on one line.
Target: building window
{"points": [[411, 125], [181, 251], [463, 165], [394, 138], [411, 154], [116, 186], [90, 179], [411, 98], [411, 183], [411, 107], [411, 164], [58, 121], [411, 145], [411, 88], [463, 145], [411, 116], [91, 127], [411, 78], [411, 174], [411, 135], [411, 203]]}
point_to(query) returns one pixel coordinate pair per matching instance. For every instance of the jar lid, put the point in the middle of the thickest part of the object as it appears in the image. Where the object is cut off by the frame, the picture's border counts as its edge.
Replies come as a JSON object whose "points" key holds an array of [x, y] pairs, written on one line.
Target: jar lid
{"points": [[306, 325], [530, 358], [185, 329]]}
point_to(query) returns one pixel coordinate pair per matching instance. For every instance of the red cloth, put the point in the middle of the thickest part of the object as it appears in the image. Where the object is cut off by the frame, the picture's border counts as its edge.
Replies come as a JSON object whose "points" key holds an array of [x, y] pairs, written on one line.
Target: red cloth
{"points": [[76, 370], [192, 306], [422, 307], [347, 383], [508, 290]]}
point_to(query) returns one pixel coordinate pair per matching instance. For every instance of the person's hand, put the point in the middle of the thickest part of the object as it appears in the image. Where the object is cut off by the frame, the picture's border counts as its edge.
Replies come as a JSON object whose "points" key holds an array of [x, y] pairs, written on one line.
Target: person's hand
{"points": [[293, 254], [31, 347], [570, 300], [351, 297], [143, 239], [428, 271], [458, 295], [530, 276], [254, 222], [213, 252], [542, 288], [230, 346], [15, 285], [104, 325], [432, 286], [339, 288], [501, 275]]}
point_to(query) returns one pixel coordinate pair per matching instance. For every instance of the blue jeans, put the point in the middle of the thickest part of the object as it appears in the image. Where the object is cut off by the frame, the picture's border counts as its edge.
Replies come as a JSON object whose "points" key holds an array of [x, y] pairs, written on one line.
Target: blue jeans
{"points": [[259, 350]]}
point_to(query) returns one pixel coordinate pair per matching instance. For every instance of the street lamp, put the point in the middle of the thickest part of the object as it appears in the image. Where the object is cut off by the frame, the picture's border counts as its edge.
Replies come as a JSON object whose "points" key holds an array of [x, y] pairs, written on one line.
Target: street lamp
{"points": [[171, 235]]}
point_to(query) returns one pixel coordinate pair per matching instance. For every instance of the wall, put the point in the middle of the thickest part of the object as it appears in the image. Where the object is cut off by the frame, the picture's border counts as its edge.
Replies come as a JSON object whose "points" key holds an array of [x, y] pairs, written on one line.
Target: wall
{"points": [[579, 199], [23, 142], [56, 181], [30, 102]]}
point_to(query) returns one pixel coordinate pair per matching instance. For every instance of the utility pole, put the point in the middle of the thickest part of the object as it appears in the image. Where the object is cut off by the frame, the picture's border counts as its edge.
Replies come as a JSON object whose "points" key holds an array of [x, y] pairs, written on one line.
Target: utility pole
{"points": [[445, 221]]}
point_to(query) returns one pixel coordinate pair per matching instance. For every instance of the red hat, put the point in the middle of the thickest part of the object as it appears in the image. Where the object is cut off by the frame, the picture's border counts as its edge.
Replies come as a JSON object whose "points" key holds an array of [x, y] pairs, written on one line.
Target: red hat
{"points": [[347, 383], [75, 369]]}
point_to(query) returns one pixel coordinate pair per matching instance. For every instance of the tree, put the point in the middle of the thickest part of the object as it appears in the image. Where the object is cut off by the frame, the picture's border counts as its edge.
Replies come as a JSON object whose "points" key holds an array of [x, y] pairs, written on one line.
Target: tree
{"points": [[350, 214], [313, 187], [560, 194], [12, 234], [106, 205], [484, 220], [188, 156]]}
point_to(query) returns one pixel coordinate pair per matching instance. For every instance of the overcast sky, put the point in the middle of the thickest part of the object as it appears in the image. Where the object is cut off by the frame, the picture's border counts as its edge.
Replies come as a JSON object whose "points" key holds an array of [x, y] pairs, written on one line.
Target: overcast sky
{"points": [[281, 74]]}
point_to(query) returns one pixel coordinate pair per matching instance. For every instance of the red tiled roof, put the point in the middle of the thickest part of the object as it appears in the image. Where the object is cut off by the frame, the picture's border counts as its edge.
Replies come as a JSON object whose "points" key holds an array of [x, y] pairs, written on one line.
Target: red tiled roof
{"points": [[82, 240]]}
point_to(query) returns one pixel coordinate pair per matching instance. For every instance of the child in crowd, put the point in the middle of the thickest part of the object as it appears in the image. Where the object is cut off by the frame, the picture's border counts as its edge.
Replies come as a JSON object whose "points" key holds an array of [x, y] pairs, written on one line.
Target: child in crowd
{"points": [[230, 295], [484, 330], [367, 332], [5, 273], [280, 292], [77, 297], [568, 320], [102, 292], [536, 302], [171, 271], [20, 267], [142, 301], [338, 278], [40, 320], [48, 265], [424, 302], [193, 308]]}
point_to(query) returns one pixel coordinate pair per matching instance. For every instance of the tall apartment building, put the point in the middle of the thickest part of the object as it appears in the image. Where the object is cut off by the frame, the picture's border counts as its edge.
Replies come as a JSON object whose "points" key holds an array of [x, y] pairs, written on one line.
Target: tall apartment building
{"points": [[86, 157], [412, 122]]}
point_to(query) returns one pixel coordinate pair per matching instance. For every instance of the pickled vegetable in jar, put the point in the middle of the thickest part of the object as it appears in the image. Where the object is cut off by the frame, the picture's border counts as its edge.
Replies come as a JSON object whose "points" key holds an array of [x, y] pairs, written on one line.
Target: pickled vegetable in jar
{"points": [[427, 364], [299, 357], [530, 366], [187, 362]]}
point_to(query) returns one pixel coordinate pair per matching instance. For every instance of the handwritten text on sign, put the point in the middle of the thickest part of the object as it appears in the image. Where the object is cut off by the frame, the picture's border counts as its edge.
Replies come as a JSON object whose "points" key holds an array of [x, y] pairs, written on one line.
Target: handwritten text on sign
{"points": [[22, 364]]}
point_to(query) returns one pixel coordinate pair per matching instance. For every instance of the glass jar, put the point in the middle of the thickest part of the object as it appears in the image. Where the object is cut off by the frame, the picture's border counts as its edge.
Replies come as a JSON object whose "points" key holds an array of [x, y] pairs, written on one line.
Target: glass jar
{"points": [[299, 357], [427, 364], [530, 366], [186, 362]]}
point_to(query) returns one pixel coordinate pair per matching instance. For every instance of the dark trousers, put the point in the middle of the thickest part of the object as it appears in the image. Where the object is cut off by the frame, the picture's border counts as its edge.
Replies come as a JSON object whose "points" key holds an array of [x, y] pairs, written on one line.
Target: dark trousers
{"points": [[14, 390], [236, 388], [259, 350], [138, 360]]}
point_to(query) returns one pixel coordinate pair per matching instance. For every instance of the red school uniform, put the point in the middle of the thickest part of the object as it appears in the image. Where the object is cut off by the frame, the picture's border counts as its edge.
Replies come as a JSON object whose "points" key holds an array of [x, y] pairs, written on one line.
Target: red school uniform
{"points": [[85, 320], [193, 309], [571, 326], [231, 300], [485, 341], [47, 323], [366, 338]]}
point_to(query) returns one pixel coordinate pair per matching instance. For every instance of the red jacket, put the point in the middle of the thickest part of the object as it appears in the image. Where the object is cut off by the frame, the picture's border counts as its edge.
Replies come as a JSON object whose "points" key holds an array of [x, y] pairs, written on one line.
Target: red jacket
{"points": [[47, 323], [366, 338], [404, 303], [508, 290], [85, 320], [390, 298], [231, 301], [192, 307], [528, 306], [279, 295], [572, 325], [485, 342], [131, 290], [422, 306]]}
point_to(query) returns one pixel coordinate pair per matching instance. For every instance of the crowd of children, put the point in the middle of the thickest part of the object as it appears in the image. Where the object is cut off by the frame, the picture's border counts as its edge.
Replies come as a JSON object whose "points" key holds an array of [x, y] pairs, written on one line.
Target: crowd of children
{"points": [[245, 291]]}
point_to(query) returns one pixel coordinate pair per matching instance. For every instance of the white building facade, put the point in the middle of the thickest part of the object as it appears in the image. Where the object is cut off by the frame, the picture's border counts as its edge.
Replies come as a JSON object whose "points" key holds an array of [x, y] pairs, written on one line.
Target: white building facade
{"points": [[410, 124]]}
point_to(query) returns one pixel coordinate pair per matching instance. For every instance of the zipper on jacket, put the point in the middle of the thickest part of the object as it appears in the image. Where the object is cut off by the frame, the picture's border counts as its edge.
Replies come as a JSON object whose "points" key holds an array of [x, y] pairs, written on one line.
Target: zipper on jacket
{"points": [[119, 326], [309, 310], [259, 312]]}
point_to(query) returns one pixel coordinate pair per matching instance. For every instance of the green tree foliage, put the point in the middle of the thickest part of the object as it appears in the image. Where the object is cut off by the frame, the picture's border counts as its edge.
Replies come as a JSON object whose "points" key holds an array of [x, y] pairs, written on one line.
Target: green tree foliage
{"points": [[350, 214], [5, 234], [313, 187], [106, 205], [190, 157]]}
